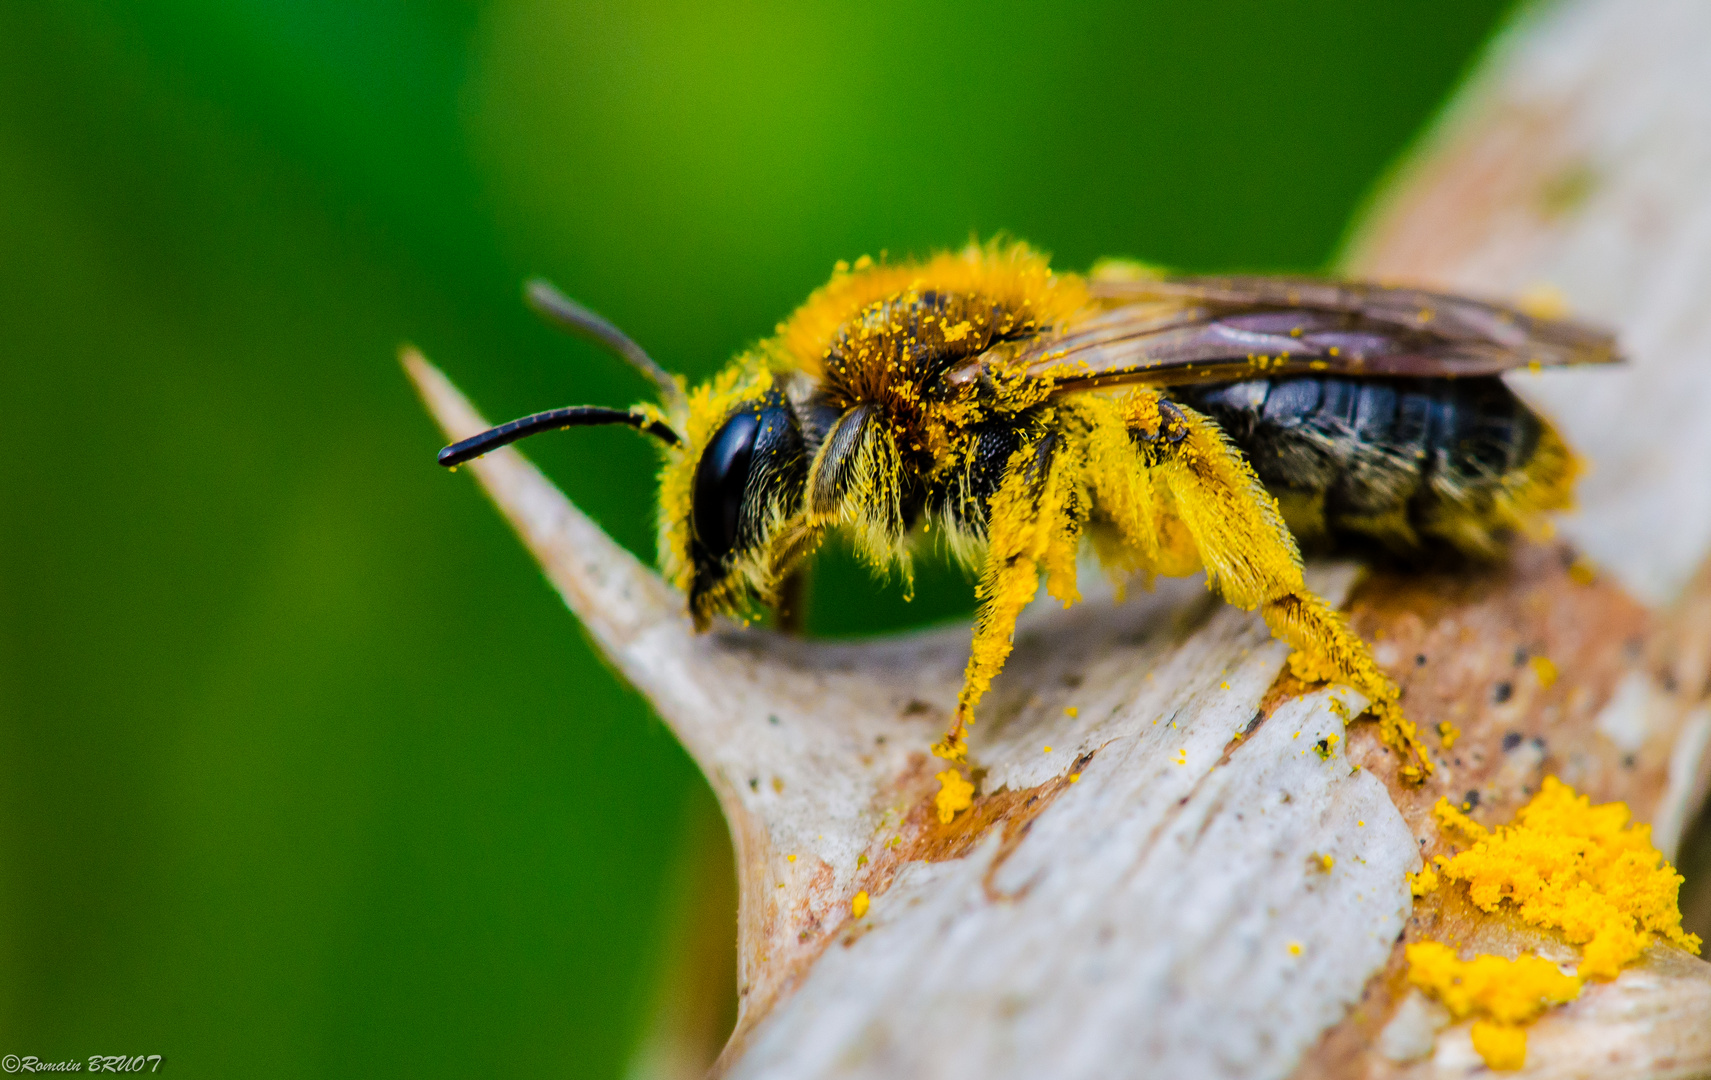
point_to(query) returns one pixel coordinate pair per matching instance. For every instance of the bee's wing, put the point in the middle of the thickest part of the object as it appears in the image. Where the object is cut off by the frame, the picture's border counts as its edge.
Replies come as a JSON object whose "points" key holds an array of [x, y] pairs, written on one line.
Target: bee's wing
{"points": [[1175, 331]]}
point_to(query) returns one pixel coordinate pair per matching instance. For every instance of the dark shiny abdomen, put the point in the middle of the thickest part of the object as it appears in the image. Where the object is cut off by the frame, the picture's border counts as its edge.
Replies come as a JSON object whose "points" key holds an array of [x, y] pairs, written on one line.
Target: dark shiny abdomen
{"points": [[1375, 459]]}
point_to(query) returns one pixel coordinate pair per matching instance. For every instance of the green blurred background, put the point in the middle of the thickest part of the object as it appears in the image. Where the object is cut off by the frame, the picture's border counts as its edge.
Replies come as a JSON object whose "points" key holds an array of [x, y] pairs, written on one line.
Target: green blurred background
{"points": [[304, 770]]}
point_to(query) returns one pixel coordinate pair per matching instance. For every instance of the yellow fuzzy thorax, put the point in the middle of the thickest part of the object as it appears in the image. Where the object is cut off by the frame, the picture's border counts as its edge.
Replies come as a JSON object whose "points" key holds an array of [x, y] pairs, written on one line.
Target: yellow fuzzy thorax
{"points": [[1564, 864], [1012, 277], [886, 334]]}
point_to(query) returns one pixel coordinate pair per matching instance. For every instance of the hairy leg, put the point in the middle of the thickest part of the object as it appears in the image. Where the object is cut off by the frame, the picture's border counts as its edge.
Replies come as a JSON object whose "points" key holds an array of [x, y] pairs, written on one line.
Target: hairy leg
{"points": [[1251, 558], [1034, 523], [1183, 499]]}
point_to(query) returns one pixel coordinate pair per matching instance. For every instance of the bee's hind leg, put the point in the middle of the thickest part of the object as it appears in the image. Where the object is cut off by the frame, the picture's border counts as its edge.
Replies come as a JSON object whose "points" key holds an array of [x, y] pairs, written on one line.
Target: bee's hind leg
{"points": [[1251, 558]]}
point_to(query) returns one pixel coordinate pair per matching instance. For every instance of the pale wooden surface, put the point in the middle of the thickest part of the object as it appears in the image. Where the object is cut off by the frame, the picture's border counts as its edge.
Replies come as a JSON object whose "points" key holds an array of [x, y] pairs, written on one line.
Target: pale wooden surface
{"points": [[1166, 915]]}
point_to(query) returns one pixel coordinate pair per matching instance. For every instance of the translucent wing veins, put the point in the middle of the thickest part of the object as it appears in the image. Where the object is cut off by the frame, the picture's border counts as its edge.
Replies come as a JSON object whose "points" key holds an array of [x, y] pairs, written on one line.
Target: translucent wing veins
{"points": [[1187, 330]]}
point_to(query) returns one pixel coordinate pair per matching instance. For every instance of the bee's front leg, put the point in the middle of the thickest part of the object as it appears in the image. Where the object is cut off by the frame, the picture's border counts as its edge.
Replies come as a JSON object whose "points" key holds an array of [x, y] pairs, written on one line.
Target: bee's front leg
{"points": [[1033, 526]]}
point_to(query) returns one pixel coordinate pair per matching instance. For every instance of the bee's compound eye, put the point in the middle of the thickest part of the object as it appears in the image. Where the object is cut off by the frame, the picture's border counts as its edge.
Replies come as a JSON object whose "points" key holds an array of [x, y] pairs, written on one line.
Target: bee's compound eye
{"points": [[720, 480]]}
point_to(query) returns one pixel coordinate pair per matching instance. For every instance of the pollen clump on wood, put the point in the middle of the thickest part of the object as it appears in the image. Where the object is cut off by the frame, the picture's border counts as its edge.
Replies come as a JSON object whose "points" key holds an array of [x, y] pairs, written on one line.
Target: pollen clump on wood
{"points": [[955, 793], [858, 906], [1585, 870], [1544, 670], [1503, 995]]}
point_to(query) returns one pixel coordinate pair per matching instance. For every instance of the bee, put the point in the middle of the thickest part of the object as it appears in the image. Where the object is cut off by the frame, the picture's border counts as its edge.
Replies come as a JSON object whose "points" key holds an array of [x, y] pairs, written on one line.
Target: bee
{"points": [[1172, 424]]}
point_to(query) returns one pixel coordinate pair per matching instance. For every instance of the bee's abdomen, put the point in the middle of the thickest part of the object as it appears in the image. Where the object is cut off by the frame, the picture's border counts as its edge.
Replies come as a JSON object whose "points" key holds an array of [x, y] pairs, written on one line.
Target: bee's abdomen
{"points": [[1412, 464]]}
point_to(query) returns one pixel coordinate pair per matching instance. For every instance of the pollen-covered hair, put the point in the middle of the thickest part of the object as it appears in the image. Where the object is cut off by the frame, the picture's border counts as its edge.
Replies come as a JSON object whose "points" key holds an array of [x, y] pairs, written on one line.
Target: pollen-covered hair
{"points": [[1012, 275]]}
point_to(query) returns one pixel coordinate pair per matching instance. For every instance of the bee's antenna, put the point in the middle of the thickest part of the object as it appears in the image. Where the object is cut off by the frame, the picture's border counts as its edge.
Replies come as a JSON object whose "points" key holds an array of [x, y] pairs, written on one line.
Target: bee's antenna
{"points": [[556, 420], [566, 313]]}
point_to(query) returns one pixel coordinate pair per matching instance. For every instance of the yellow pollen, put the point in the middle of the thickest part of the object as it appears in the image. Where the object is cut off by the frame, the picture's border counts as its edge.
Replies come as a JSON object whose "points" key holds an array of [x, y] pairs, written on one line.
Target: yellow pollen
{"points": [[1545, 671], [1585, 870], [1503, 995], [955, 793]]}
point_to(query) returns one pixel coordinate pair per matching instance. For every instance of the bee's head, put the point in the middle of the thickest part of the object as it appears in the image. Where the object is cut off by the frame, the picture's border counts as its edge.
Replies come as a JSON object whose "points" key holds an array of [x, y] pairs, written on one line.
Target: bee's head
{"points": [[731, 521]]}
